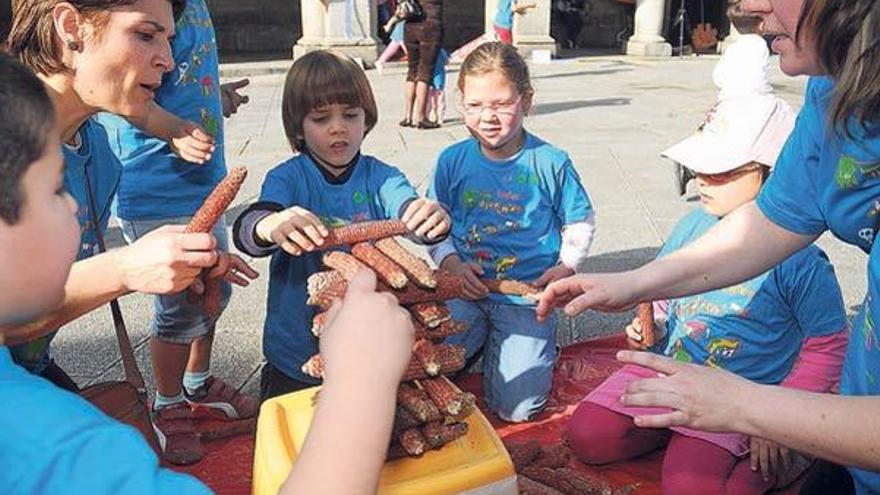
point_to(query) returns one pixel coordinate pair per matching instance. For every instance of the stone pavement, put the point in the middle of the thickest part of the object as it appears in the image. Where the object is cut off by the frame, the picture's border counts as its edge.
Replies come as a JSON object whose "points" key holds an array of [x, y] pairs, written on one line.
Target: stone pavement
{"points": [[613, 114]]}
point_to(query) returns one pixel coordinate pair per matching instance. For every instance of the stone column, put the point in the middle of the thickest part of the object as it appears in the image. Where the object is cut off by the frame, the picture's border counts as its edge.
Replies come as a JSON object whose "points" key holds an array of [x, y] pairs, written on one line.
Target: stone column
{"points": [[647, 41], [489, 15], [343, 25], [531, 30]]}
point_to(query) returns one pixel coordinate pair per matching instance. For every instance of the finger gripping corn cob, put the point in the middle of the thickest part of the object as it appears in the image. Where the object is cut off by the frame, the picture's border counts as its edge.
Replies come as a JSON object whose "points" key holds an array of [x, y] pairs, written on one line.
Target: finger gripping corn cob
{"points": [[419, 271], [385, 269], [352, 234]]}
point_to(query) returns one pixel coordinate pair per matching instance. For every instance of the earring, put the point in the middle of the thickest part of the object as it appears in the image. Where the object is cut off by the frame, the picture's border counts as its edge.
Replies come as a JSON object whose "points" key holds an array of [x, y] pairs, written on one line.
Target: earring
{"points": [[73, 45]]}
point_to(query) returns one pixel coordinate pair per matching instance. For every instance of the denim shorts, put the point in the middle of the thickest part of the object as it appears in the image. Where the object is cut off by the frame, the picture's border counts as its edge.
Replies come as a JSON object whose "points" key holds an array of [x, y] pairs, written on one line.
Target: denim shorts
{"points": [[518, 354], [180, 318]]}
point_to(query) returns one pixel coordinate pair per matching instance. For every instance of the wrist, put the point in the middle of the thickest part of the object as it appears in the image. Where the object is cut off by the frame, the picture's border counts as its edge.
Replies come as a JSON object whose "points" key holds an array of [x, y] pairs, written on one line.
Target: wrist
{"points": [[746, 413], [115, 276], [265, 227]]}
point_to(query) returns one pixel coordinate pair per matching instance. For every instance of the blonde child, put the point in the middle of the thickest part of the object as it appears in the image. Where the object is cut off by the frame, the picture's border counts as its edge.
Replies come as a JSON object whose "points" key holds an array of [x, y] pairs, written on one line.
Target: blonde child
{"points": [[327, 108], [519, 212], [786, 326]]}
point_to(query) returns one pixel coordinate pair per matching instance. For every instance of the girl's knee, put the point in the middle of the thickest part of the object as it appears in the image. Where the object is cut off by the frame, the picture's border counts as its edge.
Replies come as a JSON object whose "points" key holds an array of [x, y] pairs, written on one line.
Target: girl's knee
{"points": [[592, 438]]}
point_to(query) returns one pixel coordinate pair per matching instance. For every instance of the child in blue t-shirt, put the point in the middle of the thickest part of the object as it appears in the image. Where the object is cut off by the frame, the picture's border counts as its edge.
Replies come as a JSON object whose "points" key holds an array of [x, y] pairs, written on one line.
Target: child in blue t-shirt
{"points": [[519, 212], [786, 326], [503, 21], [437, 91], [327, 109]]}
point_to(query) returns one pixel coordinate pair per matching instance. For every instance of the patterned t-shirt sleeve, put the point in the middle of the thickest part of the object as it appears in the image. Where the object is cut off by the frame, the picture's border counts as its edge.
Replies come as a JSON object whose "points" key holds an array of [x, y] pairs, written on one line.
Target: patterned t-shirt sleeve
{"points": [[788, 198], [571, 200], [394, 190], [813, 293]]}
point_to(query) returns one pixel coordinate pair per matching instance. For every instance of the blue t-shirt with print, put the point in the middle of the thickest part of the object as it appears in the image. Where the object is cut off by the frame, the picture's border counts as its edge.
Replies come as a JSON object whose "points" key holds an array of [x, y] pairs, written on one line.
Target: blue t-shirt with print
{"points": [[374, 191], [56, 442], [504, 14], [507, 216], [156, 183], [825, 181], [754, 329], [91, 159]]}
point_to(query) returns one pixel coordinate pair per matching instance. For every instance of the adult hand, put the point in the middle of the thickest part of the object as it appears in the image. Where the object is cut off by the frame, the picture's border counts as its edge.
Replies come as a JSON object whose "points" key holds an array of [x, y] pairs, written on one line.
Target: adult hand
{"points": [[470, 272], [554, 273], [295, 230], [191, 143], [701, 397], [365, 327], [230, 99], [233, 269], [770, 457], [165, 261], [611, 292], [426, 218]]}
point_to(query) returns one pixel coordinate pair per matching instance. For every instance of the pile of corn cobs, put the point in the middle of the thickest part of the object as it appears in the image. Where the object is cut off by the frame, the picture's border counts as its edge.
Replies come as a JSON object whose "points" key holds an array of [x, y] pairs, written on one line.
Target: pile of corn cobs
{"points": [[431, 410]]}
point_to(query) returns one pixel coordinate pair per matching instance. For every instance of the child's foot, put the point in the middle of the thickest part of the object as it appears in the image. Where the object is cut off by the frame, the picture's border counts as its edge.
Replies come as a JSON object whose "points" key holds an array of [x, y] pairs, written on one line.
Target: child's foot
{"points": [[177, 438], [219, 399], [405, 123]]}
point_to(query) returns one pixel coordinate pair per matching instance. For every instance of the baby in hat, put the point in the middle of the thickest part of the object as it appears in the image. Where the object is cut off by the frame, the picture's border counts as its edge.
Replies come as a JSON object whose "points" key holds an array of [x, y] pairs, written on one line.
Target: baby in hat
{"points": [[785, 327]]}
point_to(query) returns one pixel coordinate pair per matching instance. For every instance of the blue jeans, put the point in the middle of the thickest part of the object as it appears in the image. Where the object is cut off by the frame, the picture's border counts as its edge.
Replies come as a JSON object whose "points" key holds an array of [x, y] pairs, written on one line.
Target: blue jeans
{"points": [[518, 354], [180, 318]]}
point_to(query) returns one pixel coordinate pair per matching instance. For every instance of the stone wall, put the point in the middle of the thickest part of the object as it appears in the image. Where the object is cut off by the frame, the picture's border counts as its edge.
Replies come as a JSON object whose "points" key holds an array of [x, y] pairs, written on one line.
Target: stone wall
{"points": [[255, 26]]}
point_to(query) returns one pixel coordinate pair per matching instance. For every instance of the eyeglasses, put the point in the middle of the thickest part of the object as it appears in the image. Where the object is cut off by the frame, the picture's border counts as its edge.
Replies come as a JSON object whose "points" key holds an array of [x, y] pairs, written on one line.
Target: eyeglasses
{"points": [[476, 109], [730, 175]]}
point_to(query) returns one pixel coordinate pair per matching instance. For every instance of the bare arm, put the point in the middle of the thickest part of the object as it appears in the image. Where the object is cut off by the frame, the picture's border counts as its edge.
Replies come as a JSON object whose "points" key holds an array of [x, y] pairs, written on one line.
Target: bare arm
{"points": [[347, 442], [162, 262], [744, 244], [842, 429]]}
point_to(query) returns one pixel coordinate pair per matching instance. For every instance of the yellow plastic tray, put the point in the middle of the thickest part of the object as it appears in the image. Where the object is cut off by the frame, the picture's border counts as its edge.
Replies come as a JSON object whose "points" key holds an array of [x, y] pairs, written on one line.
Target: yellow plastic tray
{"points": [[474, 464]]}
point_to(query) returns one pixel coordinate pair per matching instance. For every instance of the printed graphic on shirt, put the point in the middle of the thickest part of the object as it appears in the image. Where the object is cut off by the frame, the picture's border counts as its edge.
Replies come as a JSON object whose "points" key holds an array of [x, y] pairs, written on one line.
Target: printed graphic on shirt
{"points": [[850, 173]]}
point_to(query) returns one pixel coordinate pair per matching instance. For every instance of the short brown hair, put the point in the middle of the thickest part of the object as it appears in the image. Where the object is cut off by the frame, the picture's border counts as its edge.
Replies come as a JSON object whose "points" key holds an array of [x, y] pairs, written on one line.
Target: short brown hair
{"points": [[321, 78], [32, 36], [497, 57]]}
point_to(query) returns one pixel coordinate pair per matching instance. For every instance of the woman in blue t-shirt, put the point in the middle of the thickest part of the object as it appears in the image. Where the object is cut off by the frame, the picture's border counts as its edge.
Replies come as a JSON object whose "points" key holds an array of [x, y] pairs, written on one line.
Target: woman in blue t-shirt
{"points": [[827, 178]]}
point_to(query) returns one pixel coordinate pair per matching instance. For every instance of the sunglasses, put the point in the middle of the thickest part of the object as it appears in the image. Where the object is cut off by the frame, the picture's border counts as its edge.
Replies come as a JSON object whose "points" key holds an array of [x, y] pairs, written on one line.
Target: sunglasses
{"points": [[731, 175]]}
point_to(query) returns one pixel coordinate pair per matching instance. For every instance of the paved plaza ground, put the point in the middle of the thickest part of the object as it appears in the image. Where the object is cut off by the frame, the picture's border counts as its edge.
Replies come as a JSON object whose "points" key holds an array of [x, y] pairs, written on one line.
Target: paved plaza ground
{"points": [[613, 114]]}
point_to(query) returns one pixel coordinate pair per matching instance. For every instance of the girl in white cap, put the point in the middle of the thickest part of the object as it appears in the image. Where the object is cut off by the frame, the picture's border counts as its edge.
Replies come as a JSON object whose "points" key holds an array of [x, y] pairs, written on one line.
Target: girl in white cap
{"points": [[786, 326]]}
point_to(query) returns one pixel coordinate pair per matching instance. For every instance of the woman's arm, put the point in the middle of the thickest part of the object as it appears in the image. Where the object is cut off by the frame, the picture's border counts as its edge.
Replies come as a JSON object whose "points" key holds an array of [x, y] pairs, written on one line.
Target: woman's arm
{"points": [[162, 262], [845, 430], [744, 244]]}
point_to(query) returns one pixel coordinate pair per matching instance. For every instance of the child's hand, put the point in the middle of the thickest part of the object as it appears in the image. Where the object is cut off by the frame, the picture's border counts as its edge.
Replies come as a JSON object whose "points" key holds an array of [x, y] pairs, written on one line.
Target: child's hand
{"points": [[426, 219], [230, 99], [295, 230], [771, 458], [553, 274], [365, 325], [191, 143], [470, 272], [635, 338]]}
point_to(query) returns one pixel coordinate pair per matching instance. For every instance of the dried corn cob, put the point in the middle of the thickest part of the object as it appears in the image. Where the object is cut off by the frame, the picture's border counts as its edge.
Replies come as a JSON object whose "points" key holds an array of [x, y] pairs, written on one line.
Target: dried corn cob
{"points": [[417, 403], [469, 405], [439, 434], [426, 353], [556, 456], [419, 271], [528, 486], [446, 329], [450, 357], [363, 232], [523, 454], [645, 312], [404, 420], [568, 481], [344, 263], [314, 367], [585, 483], [430, 314], [318, 324], [395, 451], [509, 287], [203, 221], [216, 203], [413, 442], [449, 286], [324, 288], [385, 269], [446, 396]]}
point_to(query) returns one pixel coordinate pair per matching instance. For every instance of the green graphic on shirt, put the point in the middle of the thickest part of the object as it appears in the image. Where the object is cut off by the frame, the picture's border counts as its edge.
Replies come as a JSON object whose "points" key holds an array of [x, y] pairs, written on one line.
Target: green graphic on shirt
{"points": [[358, 198], [209, 122]]}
